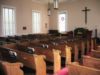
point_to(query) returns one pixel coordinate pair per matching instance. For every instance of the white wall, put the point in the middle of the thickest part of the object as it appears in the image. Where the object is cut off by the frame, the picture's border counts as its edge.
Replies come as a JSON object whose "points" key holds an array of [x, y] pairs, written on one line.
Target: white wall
{"points": [[24, 14], [76, 16]]}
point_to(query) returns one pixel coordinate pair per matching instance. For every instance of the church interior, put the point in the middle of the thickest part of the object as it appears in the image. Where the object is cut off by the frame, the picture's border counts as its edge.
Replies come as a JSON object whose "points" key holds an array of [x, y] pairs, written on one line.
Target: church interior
{"points": [[49, 37]]}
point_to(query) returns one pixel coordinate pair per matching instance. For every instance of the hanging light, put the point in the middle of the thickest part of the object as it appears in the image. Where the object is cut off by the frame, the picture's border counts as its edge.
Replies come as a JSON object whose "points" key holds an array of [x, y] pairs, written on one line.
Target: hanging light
{"points": [[55, 4], [49, 10]]}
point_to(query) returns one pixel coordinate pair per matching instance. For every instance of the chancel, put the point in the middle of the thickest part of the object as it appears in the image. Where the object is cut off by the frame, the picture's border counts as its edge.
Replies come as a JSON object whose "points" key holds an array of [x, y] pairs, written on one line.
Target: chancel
{"points": [[49, 37]]}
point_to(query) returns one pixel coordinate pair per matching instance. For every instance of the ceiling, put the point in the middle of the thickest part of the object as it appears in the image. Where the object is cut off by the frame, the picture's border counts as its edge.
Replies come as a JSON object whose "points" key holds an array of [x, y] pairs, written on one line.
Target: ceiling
{"points": [[51, 1]]}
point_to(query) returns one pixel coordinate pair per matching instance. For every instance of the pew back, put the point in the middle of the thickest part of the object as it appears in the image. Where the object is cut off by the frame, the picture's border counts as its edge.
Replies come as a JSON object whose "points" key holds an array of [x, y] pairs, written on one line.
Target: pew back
{"points": [[76, 69], [91, 62], [12, 68], [95, 53]]}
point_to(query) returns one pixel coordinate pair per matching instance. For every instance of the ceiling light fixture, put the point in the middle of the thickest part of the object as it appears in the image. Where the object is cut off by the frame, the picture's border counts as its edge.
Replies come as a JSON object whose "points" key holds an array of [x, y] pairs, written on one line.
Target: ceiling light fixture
{"points": [[56, 2]]}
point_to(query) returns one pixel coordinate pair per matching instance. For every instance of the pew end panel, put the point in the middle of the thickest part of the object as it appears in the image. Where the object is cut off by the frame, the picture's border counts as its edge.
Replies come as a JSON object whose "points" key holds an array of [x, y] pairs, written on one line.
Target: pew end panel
{"points": [[12, 68], [40, 64], [76, 69]]}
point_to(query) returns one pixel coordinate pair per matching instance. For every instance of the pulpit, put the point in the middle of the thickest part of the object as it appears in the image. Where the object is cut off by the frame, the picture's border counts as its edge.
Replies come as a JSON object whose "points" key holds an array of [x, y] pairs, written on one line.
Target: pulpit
{"points": [[82, 33]]}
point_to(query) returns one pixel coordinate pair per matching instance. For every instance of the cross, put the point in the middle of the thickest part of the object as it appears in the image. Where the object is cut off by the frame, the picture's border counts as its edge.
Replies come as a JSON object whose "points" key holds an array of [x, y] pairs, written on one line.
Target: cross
{"points": [[85, 11]]}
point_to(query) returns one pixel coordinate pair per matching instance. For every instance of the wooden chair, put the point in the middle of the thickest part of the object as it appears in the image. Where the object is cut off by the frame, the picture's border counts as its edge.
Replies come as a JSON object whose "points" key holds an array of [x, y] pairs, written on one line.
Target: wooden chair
{"points": [[76, 69], [91, 62], [40, 64], [11, 68]]}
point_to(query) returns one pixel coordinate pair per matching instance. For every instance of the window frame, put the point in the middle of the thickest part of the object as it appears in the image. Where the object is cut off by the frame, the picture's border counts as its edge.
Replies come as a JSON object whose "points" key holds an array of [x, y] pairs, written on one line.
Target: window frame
{"points": [[2, 27]]}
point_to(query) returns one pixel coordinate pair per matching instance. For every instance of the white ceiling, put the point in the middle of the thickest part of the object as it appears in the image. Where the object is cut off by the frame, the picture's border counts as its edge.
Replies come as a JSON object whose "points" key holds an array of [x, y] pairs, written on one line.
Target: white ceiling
{"points": [[51, 1]]}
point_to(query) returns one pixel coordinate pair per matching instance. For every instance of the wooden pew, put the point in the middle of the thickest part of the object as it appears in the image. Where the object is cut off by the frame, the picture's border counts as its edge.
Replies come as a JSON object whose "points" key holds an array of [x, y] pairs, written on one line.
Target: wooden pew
{"points": [[91, 62], [68, 55], [62, 46], [95, 53], [64, 49], [40, 64], [87, 47], [74, 50], [11, 68], [8, 55], [78, 46], [28, 60], [93, 43], [98, 48], [76, 69], [51, 54]]}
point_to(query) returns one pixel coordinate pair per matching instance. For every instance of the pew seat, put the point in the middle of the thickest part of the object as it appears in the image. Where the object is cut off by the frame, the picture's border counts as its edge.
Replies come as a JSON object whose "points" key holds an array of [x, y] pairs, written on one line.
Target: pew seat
{"points": [[91, 62]]}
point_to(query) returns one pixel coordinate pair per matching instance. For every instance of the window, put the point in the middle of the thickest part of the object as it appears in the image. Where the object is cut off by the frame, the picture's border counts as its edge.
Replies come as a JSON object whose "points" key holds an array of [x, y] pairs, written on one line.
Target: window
{"points": [[36, 22], [8, 20], [62, 22]]}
